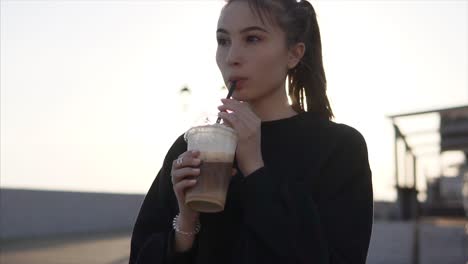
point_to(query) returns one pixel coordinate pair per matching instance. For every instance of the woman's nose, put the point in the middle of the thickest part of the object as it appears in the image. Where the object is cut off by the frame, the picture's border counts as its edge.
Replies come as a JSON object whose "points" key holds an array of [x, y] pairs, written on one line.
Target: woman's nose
{"points": [[234, 55]]}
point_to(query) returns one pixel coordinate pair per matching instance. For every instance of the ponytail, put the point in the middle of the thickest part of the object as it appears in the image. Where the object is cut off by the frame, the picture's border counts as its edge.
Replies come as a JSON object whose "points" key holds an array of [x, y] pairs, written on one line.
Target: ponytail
{"points": [[307, 84]]}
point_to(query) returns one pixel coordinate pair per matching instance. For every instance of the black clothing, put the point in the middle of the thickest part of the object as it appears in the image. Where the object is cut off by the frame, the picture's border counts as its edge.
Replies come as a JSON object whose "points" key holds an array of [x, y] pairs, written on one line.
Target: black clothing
{"points": [[310, 203]]}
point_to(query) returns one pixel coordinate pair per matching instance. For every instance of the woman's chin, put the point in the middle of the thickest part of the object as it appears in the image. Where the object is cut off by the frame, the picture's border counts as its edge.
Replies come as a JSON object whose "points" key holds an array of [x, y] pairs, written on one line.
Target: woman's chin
{"points": [[237, 97], [240, 97]]}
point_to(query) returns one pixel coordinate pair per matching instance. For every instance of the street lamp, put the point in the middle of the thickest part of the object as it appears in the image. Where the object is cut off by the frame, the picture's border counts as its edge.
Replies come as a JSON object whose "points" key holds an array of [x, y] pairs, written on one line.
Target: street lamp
{"points": [[185, 94]]}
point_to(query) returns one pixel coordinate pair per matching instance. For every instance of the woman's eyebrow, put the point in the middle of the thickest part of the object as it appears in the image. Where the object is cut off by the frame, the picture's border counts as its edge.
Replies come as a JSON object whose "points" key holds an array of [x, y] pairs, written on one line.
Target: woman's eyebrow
{"points": [[247, 29]]}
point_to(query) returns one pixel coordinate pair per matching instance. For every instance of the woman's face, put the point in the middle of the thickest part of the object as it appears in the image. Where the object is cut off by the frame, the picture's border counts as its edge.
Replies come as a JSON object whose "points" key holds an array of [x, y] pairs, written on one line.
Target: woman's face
{"points": [[253, 53]]}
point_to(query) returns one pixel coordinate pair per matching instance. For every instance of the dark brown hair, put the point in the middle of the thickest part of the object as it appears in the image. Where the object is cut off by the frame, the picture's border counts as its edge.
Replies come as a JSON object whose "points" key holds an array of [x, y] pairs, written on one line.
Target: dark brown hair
{"points": [[307, 83]]}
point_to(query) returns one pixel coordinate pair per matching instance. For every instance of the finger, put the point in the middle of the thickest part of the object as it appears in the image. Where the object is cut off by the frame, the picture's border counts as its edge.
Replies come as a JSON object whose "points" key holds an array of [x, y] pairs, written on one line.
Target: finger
{"points": [[177, 162], [181, 174], [194, 152], [231, 120], [222, 108], [236, 105], [234, 171], [230, 101], [190, 153], [187, 159], [181, 186], [242, 109], [239, 122], [233, 105]]}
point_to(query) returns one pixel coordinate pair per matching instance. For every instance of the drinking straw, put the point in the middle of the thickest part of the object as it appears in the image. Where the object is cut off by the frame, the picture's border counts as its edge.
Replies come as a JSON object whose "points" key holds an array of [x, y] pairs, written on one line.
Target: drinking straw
{"points": [[231, 90]]}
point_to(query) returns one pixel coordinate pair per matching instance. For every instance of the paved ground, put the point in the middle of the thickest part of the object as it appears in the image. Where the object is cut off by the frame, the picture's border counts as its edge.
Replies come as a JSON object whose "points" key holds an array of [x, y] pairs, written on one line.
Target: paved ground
{"points": [[441, 242], [91, 249]]}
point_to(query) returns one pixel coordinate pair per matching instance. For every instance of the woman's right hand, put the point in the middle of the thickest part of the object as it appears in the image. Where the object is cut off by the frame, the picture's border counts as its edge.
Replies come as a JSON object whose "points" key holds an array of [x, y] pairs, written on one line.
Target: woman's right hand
{"points": [[185, 171]]}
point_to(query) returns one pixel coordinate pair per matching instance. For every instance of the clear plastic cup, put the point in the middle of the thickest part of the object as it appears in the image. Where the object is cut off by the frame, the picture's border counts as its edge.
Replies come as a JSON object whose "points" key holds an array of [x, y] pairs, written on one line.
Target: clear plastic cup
{"points": [[217, 145]]}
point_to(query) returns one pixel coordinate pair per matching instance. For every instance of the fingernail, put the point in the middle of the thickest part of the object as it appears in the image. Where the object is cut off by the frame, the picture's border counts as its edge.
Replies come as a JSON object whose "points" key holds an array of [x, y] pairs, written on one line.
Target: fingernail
{"points": [[196, 161], [196, 170]]}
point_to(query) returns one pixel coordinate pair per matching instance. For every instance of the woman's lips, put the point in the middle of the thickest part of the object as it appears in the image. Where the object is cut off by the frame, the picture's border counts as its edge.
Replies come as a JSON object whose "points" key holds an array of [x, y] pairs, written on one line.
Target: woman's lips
{"points": [[240, 83]]}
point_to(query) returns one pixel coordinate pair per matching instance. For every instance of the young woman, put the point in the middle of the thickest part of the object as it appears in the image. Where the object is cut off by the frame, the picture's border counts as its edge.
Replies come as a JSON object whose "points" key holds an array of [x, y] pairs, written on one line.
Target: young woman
{"points": [[302, 191]]}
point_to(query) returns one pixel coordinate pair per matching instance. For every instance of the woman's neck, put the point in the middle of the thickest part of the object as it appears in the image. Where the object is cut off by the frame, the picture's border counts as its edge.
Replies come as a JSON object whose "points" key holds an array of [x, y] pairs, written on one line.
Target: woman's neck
{"points": [[273, 107]]}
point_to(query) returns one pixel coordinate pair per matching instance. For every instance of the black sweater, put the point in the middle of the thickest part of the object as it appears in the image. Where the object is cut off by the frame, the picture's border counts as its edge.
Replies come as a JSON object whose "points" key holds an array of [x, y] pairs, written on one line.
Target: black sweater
{"points": [[310, 203]]}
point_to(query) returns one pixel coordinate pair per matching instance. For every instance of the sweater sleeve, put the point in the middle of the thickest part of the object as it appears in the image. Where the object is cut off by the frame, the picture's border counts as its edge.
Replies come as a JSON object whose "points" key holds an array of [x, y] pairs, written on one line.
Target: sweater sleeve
{"points": [[296, 226], [153, 238], [346, 202]]}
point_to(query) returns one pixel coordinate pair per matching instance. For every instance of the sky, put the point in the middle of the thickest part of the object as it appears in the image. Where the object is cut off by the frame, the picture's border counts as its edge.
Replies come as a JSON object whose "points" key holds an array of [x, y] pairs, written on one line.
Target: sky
{"points": [[90, 95]]}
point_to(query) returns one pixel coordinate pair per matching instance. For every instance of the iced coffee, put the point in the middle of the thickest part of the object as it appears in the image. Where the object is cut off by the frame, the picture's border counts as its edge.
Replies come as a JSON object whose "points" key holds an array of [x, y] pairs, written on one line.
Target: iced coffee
{"points": [[217, 145]]}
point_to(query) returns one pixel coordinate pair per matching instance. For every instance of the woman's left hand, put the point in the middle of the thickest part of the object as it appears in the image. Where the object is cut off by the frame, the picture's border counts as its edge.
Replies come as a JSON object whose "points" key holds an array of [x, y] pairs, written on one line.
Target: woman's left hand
{"points": [[248, 127]]}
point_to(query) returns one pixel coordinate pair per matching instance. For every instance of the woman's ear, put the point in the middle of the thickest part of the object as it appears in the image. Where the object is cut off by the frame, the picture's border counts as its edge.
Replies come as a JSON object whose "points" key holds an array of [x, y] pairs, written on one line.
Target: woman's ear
{"points": [[295, 54]]}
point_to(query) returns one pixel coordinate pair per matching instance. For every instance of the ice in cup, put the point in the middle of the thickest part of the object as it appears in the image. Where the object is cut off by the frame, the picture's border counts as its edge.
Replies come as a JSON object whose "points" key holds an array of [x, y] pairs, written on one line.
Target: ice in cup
{"points": [[217, 145]]}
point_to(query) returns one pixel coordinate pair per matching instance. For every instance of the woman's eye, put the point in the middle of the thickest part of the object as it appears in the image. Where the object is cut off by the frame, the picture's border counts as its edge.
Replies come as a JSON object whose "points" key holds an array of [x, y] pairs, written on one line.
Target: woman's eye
{"points": [[222, 41], [253, 39]]}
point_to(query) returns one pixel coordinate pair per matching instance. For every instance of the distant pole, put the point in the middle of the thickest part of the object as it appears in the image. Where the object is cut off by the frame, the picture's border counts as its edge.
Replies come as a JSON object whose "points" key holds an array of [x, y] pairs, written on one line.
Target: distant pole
{"points": [[397, 136], [415, 177], [397, 184], [415, 259], [416, 244]]}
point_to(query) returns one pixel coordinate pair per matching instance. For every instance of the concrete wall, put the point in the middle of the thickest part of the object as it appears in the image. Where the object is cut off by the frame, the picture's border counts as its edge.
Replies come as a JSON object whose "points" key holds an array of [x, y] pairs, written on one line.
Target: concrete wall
{"points": [[34, 213]]}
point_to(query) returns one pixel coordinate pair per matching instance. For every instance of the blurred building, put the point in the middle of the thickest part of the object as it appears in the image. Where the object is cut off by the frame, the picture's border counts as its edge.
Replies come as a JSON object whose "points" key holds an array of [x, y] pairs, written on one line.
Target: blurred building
{"points": [[444, 195]]}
